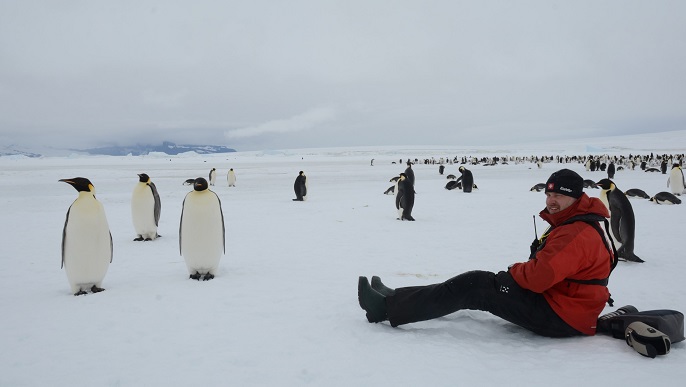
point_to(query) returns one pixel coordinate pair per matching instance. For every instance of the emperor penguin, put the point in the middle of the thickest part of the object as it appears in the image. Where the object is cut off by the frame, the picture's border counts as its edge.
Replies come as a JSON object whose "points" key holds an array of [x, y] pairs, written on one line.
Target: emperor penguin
{"points": [[622, 220], [665, 198], [202, 238], [409, 173], [300, 187], [145, 209], [213, 175], [636, 193], [404, 198], [675, 181], [86, 240], [231, 178], [467, 179]]}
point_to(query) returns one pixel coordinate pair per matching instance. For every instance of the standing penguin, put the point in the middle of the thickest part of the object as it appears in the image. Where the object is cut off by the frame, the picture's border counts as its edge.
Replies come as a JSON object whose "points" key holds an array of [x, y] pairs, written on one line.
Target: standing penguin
{"points": [[300, 187], [145, 209], [611, 170], [622, 220], [86, 240], [467, 179], [202, 238], [231, 178], [404, 199], [213, 175], [675, 181], [409, 173]]}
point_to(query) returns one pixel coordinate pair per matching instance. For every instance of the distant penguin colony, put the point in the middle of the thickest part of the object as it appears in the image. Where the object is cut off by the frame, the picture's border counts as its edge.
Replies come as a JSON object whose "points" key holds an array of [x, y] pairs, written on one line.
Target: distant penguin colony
{"points": [[300, 187], [213, 176], [145, 209], [201, 232], [231, 178], [622, 219], [676, 182], [665, 198], [86, 240]]}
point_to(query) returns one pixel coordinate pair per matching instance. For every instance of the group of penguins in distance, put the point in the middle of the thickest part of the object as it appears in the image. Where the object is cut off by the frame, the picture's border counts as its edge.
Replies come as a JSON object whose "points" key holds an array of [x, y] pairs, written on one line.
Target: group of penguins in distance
{"points": [[87, 247], [622, 219]]}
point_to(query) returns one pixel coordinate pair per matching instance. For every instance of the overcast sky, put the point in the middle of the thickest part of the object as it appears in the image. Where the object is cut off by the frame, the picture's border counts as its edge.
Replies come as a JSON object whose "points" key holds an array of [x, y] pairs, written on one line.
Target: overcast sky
{"points": [[288, 74]]}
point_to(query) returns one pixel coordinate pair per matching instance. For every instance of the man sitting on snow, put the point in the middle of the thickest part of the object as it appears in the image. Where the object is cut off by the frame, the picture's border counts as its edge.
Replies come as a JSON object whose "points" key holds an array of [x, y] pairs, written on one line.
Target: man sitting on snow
{"points": [[559, 292]]}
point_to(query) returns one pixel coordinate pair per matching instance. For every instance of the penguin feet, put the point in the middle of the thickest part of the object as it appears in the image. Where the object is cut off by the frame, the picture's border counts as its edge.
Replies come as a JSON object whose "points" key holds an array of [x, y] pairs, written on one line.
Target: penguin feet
{"points": [[96, 289], [208, 277], [195, 276], [373, 302], [140, 238], [80, 293]]}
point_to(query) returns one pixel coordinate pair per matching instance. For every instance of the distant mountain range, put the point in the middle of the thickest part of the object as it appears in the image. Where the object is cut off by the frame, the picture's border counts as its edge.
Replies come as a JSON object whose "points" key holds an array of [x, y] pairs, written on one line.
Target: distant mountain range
{"points": [[167, 147]]}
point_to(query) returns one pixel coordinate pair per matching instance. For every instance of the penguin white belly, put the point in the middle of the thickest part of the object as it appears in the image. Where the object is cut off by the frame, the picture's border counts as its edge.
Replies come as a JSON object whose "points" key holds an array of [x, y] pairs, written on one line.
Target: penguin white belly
{"points": [[143, 212], [676, 181], [87, 244], [202, 234], [231, 179]]}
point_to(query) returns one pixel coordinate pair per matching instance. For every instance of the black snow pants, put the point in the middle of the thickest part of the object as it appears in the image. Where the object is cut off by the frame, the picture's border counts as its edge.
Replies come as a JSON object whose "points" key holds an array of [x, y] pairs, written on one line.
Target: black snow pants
{"points": [[478, 290]]}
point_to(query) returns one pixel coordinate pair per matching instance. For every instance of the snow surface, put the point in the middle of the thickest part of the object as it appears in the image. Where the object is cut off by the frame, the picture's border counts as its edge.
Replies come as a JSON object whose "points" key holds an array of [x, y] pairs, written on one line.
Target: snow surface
{"points": [[283, 309]]}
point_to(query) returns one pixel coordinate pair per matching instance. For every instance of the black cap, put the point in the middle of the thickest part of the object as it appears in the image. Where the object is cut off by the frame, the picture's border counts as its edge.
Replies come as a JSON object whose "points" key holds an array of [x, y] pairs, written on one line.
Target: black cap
{"points": [[565, 182]]}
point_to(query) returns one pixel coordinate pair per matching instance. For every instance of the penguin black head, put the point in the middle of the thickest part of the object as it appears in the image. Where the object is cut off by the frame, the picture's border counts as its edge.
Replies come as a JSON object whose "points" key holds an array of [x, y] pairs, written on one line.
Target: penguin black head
{"points": [[460, 169], [81, 184], [606, 184], [143, 178], [200, 184], [301, 173]]}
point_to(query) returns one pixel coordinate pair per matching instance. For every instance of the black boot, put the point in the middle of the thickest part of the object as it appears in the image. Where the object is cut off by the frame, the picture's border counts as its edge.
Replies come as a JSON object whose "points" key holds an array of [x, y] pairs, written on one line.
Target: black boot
{"points": [[373, 302], [381, 288]]}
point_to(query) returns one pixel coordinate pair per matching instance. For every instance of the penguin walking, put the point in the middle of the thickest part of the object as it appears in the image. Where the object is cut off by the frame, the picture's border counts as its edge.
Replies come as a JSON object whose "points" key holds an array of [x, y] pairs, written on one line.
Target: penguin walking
{"points": [[213, 176], [300, 187], [231, 178], [675, 181], [622, 219], [665, 198], [86, 240], [202, 238], [145, 209], [404, 199], [467, 179]]}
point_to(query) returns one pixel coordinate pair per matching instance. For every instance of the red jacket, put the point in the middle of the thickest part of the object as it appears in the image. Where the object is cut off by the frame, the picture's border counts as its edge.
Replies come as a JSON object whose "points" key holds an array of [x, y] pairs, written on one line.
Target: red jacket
{"points": [[573, 251]]}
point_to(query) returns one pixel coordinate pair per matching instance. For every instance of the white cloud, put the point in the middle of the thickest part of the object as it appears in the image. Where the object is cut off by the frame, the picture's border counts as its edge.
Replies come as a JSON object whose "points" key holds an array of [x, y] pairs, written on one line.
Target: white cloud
{"points": [[303, 121]]}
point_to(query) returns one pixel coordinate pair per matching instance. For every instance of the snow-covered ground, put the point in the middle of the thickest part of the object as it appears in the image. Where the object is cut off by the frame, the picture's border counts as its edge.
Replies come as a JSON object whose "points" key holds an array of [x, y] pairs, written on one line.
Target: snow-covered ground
{"points": [[283, 308]]}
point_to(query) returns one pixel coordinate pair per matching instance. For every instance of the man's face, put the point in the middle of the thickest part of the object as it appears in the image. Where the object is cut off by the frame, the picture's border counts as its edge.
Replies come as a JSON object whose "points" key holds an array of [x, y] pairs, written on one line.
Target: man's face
{"points": [[556, 202]]}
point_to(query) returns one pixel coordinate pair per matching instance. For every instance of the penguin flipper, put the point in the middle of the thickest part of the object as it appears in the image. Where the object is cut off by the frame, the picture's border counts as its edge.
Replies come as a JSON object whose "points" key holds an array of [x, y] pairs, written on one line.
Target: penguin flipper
{"points": [[615, 222], [158, 204]]}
